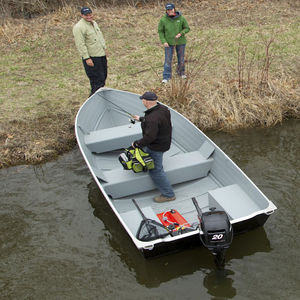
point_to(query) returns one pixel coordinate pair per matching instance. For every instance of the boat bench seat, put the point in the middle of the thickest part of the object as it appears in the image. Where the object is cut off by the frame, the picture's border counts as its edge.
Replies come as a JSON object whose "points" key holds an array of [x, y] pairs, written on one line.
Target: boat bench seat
{"points": [[112, 138], [178, 168], [233, 200]]}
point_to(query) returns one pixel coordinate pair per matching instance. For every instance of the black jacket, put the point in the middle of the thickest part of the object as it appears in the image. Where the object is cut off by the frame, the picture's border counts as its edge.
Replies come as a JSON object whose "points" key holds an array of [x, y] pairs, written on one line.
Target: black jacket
{"points": [[157, 129]]}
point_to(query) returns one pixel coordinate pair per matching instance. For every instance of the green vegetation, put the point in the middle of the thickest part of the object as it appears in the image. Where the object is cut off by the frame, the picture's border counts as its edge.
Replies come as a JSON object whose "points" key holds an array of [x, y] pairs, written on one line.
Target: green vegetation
{"points": [[243, 67]]}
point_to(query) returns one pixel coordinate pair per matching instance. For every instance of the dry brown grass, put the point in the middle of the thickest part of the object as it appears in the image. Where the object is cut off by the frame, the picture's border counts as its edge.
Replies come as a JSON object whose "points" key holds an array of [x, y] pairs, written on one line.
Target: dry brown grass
{"points": [[220, 106], [248, 94], [43, 82]]}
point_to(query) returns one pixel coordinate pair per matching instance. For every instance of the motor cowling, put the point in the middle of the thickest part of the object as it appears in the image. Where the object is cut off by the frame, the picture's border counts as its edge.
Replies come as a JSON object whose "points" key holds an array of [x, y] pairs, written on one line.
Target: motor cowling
{"points": [[217, 231]]}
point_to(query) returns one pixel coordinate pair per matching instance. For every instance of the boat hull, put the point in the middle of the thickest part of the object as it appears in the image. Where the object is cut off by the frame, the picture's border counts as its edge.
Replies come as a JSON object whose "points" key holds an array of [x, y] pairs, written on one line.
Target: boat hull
{"points": [[195, 165], [194, 240]]}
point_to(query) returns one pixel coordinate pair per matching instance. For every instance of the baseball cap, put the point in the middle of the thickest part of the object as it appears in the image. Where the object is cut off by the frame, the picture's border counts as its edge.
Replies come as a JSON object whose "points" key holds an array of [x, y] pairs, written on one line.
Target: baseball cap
{"points": [[170, 6], [150, 96], [85, 10]]}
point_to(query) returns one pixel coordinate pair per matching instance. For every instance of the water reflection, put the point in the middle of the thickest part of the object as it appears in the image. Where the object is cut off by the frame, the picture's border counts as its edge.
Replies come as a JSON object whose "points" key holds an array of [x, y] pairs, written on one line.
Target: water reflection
{"points": [[219, 284], [155, 271], [13, 227]]}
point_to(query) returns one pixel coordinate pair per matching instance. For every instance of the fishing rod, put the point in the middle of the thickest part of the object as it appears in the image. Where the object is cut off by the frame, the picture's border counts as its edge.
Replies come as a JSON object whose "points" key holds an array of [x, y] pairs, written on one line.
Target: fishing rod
{"points": [[132, 120]]}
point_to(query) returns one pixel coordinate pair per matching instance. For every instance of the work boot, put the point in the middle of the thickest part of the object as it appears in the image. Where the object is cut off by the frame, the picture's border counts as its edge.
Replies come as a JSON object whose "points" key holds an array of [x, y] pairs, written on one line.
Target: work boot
{"points": [[161, 198]]}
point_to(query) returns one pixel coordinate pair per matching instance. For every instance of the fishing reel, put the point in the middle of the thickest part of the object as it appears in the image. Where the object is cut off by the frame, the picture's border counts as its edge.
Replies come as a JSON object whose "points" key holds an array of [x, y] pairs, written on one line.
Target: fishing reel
{"points": [[131, 122]]}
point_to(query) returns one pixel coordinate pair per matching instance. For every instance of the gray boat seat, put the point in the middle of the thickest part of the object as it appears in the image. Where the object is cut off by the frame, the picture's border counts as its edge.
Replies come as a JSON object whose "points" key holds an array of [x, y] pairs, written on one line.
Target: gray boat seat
{"points": [[233, 200], [112, 138], [179, 168]]}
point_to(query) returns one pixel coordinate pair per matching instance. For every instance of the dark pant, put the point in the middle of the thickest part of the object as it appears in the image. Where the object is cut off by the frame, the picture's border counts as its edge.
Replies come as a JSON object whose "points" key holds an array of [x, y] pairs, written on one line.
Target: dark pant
{"points": [[96, 74], [167, 74]]}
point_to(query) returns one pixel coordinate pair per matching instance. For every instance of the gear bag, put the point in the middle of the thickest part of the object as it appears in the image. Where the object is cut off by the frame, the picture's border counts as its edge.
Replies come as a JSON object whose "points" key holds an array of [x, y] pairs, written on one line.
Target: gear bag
{"points": [[136, 159]]}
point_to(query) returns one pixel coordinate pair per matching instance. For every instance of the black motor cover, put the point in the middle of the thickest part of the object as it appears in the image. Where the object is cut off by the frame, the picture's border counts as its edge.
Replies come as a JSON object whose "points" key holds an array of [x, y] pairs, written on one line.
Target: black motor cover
{"points": [[217, 231]]}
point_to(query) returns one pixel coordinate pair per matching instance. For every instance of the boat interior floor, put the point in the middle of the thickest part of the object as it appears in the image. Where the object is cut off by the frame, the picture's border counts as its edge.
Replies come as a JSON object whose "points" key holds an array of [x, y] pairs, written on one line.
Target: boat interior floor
{"points": [[183, 202], [208, 192]]}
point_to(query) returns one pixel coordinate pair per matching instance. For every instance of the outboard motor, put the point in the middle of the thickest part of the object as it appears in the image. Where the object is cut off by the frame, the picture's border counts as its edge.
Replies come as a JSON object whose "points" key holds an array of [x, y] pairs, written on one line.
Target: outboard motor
{"points": [[217, 232]]}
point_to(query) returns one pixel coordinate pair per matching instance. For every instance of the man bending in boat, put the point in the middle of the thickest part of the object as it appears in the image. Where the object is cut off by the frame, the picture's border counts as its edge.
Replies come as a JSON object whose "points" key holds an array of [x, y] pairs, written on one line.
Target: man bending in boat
{"points": [[157, 135]]}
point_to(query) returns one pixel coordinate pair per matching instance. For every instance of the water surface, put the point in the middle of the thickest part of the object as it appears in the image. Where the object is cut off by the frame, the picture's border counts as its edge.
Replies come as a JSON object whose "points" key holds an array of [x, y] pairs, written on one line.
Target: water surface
{"points": [[60, 240]]}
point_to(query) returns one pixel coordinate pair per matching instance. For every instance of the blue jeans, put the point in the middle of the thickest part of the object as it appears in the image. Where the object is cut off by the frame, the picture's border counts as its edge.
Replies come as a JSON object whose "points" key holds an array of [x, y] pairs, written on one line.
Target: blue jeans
{"points": [[167, 74], [158, 174]]}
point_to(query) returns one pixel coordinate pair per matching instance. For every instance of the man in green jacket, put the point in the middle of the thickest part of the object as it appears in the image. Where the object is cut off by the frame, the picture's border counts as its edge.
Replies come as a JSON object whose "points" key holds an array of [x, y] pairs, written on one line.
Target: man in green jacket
{"points": [[172, 29], [91, 47]]}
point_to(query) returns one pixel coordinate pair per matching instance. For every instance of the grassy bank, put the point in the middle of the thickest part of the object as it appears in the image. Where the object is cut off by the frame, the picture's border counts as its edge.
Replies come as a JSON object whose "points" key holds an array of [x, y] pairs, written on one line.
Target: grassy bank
{"points": [[243, 67]]}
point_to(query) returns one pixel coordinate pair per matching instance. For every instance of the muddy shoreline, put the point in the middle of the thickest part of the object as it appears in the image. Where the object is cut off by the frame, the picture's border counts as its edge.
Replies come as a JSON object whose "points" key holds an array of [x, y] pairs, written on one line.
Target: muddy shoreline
{"points": [[13, 154]]}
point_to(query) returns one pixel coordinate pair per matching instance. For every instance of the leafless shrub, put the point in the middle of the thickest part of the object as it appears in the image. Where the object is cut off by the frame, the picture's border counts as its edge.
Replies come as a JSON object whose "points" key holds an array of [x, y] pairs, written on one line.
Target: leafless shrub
{"points": [[179, 90], [31, 8], [253, 73]]}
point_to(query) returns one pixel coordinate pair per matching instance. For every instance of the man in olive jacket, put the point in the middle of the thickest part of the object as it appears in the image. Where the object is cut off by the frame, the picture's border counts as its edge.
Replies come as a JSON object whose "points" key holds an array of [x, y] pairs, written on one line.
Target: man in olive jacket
{"points": [[91, 47], [172, 29]]}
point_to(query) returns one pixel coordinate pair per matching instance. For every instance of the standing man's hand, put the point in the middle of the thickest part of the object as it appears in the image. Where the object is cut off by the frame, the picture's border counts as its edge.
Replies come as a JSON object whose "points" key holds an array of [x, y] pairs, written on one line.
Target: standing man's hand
{"points": [[178, 36], [166, 45], [89, 62]]}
